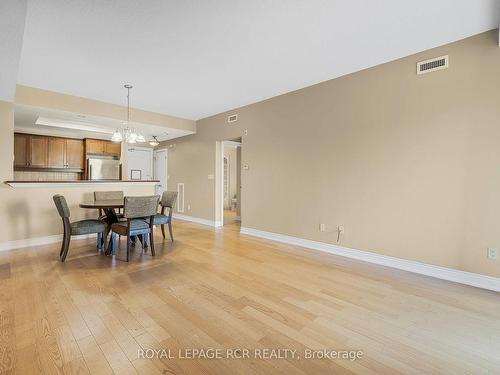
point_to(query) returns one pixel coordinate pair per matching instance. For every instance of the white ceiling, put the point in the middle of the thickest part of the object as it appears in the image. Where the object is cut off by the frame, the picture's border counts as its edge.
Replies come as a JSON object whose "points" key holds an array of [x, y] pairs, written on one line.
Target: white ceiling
{"points": [[193, 58], [12, 16]]}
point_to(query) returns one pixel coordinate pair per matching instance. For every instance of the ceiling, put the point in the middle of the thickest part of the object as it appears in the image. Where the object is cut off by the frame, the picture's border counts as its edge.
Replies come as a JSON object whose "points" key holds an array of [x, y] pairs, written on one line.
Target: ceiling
{"points": [[67, 124], [193, 58]]}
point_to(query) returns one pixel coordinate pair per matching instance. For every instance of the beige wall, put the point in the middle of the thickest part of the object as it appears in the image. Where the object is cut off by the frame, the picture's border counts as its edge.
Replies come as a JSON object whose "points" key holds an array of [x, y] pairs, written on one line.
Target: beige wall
{"points": [[30, 212], [408, 164]]}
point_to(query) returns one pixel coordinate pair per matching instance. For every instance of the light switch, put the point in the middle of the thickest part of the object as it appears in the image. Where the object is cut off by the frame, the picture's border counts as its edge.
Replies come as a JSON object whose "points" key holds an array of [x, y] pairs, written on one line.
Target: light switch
{"points": [[246, 167]]}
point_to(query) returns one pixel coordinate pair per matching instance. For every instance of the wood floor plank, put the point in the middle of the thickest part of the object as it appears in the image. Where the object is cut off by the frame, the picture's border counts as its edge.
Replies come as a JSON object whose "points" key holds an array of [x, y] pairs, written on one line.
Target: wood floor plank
{"points": [[217, 289]]}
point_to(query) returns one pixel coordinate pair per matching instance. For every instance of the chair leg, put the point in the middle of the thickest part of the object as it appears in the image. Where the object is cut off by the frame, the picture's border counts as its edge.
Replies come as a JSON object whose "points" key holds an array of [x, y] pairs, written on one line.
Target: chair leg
{"points": [[112, 244], [128, 248], [152, 243], [99, 241], [62, 247], [144, 241], [66, 240], [104, 236], [163, 230], [170, 231]]}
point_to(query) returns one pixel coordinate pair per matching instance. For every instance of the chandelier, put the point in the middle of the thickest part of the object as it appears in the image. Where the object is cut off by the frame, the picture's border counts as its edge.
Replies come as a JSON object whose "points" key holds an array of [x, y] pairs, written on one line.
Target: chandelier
{"points": [[127, 134]]}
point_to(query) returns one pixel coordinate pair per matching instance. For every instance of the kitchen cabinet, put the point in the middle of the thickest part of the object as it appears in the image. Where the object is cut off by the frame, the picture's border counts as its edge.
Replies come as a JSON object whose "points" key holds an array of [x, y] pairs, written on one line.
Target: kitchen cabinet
{"points": [[74, 154], [57, 152], [101, 147], [38, 150], [112, 148], [21, 147], [48, 153], [94, 146]]}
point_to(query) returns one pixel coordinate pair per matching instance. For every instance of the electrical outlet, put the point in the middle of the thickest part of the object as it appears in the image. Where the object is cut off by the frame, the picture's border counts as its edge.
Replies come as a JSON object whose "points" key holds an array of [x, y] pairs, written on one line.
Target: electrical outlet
{"points": [[492, 253], [322, 227], [341, 229], [245, 132]]}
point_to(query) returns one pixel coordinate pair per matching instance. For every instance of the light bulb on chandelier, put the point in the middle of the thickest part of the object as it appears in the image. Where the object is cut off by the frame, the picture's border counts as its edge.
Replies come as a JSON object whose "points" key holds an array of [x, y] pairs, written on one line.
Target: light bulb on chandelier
{"points": [[127, 134]]}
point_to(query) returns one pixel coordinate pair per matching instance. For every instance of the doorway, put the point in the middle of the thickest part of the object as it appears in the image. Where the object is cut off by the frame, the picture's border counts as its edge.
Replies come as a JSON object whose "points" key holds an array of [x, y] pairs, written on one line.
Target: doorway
{"points": [[160, 161], [231, 182]]}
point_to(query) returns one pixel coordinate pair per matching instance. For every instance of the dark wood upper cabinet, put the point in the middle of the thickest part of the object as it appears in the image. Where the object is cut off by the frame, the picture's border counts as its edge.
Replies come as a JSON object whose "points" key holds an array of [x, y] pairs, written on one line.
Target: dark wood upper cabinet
{"points": [[74, 154], [57, 152], [38, 151], [100, 147], [112, 148], [94, 146], [43, 152], [21, 150]]}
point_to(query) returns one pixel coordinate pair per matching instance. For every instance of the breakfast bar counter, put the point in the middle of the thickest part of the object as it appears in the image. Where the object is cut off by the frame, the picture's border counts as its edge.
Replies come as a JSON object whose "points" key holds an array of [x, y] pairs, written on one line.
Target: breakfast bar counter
{"points": [[80, 183]]}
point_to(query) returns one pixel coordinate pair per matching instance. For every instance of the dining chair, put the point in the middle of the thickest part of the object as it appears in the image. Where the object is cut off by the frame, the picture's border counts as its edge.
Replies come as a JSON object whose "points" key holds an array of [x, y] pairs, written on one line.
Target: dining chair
{"points": [[135, 210], [168, 199], [108, 195], [88, 226]]}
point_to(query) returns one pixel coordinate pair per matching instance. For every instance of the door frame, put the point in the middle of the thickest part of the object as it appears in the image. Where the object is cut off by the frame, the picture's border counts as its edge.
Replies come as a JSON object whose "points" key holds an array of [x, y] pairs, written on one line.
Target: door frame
{"points": [[155, 152], [219, 181]]}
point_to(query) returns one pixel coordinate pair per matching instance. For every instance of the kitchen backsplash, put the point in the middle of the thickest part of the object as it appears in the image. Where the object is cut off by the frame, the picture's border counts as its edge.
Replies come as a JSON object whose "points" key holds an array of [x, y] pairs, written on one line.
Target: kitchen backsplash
{"points": [[45, 176]]}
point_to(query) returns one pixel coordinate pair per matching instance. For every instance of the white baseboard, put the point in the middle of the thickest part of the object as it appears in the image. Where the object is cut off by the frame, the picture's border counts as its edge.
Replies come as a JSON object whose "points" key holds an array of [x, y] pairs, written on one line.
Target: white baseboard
{"points": [[196, 220], [450, 274], [38, 241]]}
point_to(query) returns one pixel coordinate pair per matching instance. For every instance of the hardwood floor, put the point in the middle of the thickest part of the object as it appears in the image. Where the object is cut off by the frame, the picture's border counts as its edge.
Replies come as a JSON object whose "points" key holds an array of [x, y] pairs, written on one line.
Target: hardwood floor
{"points": [[220, 289]]}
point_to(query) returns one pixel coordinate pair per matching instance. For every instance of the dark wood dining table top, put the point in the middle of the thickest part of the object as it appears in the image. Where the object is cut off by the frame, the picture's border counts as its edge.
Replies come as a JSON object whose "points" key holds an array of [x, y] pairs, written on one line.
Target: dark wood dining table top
{"points": [[105, 203]]}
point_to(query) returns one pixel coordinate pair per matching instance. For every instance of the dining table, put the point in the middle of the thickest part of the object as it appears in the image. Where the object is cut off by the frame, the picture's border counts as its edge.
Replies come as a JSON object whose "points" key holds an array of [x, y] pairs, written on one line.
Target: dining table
{"points": [[109, 207]]}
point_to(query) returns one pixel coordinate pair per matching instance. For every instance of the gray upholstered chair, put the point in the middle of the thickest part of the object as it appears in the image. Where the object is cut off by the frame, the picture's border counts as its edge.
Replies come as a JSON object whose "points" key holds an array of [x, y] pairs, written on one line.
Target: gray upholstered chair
{"points": [[168, 200], [77, 227], [139, 212], [107, 195]]}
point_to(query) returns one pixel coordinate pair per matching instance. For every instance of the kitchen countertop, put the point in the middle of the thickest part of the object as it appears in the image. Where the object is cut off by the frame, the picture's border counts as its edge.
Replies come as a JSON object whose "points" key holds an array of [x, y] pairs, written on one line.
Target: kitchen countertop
{"points": [[31, 184]]}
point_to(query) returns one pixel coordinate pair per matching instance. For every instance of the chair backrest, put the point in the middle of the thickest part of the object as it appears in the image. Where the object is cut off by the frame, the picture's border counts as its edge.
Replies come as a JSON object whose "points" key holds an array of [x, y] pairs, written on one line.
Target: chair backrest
{"points": [[107, 195], [61, 205], [168, 199], [140, 206]]}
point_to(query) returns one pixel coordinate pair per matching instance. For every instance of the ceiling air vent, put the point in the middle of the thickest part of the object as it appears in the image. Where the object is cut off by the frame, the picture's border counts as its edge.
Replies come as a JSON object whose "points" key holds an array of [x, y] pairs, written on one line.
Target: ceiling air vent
{"points": [[232, 118], [437, 63]]}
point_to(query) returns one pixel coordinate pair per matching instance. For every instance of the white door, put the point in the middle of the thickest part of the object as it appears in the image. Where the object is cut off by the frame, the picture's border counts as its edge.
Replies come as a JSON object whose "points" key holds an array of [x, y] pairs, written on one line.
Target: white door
{"points": [[160, 159], [139, 163]]}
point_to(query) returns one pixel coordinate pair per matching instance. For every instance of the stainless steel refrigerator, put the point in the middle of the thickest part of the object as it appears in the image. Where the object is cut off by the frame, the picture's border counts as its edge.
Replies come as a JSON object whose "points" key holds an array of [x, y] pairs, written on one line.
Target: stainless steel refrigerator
{"points": [[103, 169]]}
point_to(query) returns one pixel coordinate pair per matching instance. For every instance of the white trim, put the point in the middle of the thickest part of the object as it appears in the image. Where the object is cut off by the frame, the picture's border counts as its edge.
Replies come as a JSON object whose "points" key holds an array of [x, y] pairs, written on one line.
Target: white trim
{"points": [[196, 220], [38, 241], [180, 200], [21, 184], [450, 274]]}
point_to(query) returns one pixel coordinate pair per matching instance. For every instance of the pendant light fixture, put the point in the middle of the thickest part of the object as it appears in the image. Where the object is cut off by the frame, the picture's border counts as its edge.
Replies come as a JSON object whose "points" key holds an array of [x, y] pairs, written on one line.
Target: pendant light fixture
{"points": [[154, 142], [127, 134]]}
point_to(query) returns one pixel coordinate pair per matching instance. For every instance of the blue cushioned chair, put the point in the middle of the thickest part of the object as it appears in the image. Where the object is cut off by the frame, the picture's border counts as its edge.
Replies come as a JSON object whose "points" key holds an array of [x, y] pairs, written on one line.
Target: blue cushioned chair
{"points": [[168, 200], [140, 213], [89, 226]]}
